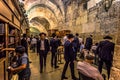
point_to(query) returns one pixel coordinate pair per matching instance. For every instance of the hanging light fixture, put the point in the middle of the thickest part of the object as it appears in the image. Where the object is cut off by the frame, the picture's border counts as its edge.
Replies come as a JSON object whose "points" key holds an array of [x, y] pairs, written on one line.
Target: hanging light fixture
{"points": [[107, 4]]}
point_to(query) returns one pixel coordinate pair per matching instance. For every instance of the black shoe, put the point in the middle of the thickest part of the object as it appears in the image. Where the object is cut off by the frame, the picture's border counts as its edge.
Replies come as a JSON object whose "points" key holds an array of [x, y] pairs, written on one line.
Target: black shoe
{"points": [[30, 61], [64, 78], [41, 71], [51, 65], [56, 67], [74, 78], [44, 65]]}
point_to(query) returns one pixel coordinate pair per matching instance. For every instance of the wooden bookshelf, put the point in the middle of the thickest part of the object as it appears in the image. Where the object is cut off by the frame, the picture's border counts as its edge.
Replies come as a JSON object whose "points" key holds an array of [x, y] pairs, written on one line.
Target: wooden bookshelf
{"points": [[11, 44], [1, 34], [8, 43], [10, 35], [2, 60], [7, 46], [10, 30], [2, 69]]}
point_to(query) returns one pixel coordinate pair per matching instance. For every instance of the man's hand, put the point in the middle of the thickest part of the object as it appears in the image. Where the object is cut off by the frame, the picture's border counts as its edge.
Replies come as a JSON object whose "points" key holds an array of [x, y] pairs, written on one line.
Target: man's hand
{"points": [[12, 69]]}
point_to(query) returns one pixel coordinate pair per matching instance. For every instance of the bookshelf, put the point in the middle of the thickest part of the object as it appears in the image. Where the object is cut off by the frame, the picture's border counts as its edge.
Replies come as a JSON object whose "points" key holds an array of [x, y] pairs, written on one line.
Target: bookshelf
{"points": [[2, 51], [9, 39], [12, 21]]}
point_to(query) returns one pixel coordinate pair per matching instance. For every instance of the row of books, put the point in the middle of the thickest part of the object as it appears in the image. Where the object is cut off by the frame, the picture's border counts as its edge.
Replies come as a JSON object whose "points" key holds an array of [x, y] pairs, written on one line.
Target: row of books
{"points": [[2, 28]]}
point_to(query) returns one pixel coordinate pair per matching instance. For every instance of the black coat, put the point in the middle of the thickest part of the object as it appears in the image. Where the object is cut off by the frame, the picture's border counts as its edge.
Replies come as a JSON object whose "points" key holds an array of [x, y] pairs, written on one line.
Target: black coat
{"points": [[46, 44], [105, 50], [69, 51], [76, 44], [88, 43], [54, 45], [25, 44]]}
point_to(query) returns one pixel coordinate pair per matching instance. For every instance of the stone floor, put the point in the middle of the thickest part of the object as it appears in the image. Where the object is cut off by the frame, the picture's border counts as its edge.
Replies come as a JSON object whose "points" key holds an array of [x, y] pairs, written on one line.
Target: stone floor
{"points": [[49, 73]]}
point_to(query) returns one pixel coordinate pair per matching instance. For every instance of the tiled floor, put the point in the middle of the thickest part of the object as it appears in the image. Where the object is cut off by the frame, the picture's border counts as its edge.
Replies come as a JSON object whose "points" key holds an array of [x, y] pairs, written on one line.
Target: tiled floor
{"points": [[49, 72]]}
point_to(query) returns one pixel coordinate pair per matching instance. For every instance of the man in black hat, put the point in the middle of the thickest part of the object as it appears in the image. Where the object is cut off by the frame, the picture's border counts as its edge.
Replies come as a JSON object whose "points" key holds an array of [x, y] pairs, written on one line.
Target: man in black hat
{"points": [[105, 52], [89, 43], [54, 45], [69, 55], [43, 48], [76, 44]]}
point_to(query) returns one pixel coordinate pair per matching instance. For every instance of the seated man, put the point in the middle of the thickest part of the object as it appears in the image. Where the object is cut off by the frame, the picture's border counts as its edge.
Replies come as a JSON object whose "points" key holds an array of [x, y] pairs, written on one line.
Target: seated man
{"points": [[86, 69], [84, 53], [22, 68]]}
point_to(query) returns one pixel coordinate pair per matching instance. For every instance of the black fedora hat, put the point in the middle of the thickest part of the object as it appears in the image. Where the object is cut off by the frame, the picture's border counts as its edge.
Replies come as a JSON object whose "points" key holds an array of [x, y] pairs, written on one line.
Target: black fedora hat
{"points": [[108, 37], [70, 36]]}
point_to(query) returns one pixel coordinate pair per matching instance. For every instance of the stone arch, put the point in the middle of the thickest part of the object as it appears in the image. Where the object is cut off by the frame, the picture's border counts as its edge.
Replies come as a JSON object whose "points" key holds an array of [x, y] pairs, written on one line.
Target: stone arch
{"points": [[39, 27], [47, 4], [42, 21], [45, 13]]}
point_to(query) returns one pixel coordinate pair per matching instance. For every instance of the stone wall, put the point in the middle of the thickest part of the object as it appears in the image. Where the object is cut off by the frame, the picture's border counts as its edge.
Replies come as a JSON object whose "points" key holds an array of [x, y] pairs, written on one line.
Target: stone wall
{"points": [[76, 17], [98, 22], [109, 24]]}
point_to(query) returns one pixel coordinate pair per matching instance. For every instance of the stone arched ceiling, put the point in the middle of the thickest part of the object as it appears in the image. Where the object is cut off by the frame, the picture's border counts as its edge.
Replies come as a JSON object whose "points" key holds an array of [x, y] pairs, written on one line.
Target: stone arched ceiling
{"points": [[38, 26], [51, 10], [43, 12], [41, 21], [34, 30], [55, 6]]}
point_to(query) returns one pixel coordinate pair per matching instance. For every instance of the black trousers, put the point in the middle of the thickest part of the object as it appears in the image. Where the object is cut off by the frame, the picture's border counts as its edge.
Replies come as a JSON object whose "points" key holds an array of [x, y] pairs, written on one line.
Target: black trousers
{"points": [[24, 79], [42, 58], [108, 64], [71, 64], [83, 77], [54, 59]]}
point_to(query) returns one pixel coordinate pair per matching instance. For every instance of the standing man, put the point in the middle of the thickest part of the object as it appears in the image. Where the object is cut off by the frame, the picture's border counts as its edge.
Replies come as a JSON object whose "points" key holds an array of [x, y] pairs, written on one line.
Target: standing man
{"points": [[76, 44], [33, 44], [69, 57], [89, 43], [64, 39], [24, 43], [105, 53], [54, 45], [42, 50]]}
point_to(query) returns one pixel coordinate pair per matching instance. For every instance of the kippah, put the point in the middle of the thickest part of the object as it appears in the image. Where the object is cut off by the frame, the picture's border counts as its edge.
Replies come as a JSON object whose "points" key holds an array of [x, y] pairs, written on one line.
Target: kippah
{"points": [[20, 49], [90, 57]]}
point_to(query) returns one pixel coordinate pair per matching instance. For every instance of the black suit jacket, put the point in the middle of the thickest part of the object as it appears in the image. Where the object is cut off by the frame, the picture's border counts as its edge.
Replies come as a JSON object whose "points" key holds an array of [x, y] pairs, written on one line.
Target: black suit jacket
{"points": [[69, 51], [105, 50], [54, 45], [76, 44], [88, 43], [25, 44], [46, 44]]}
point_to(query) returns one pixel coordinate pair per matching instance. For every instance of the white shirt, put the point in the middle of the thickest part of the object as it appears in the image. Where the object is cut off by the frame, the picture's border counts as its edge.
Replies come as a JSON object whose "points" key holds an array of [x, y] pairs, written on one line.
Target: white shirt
{"points": [[94, 47], [34, 41], [28, 39], [80, 40], [64, 40], [42, 45]]}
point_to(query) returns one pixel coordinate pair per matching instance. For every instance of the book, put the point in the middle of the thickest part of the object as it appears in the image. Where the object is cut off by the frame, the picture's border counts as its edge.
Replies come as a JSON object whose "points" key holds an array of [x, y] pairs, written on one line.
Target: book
{"points": [[2, 29], [12, 39]]}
